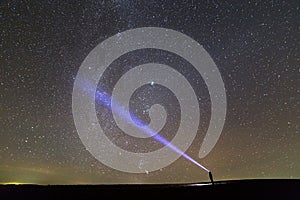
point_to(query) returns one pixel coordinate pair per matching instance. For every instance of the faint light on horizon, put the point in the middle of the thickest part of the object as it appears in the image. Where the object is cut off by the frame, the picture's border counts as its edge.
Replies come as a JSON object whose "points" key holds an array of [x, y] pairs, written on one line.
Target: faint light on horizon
{"points": [[15, 183]]}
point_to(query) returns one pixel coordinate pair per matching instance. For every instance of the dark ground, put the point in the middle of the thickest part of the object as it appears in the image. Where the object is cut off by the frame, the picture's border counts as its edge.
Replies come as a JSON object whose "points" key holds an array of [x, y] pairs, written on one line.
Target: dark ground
{"points": [[235, 189]]}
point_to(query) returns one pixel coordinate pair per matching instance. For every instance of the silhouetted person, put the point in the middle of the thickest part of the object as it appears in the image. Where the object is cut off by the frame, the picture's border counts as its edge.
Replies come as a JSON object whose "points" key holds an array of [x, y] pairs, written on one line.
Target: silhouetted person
{"points": [[211, 177]]}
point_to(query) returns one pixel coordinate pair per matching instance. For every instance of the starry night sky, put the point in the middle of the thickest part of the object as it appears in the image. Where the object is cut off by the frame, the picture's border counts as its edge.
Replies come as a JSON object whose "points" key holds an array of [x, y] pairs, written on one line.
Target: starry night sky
{"points": [[256, 47]]}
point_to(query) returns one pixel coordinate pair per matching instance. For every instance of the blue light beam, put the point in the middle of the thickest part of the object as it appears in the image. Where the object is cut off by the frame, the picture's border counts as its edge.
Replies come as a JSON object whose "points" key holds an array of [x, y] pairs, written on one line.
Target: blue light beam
{"points": [[106, 100]]}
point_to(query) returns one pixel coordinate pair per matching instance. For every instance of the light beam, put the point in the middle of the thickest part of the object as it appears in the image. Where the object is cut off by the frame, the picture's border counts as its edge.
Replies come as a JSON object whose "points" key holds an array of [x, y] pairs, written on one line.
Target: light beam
{"points": [[106, 100]]}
